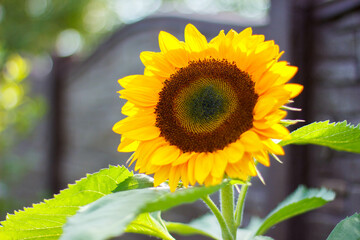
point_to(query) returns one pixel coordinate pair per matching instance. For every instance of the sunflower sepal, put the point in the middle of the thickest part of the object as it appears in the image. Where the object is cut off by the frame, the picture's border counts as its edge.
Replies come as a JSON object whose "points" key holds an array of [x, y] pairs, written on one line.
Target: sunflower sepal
{"points": [[239, 182], [289, 122]]}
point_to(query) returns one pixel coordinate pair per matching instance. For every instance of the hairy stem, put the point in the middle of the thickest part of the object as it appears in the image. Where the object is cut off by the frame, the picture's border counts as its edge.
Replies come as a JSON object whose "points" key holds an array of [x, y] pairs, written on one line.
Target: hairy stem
{"points": [[224, 228], [240, 205], [227, 207]]}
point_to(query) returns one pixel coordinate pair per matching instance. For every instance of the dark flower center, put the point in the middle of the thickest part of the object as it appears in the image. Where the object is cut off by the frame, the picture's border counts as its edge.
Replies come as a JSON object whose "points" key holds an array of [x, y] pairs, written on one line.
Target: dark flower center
{"points": [[206, 106]]}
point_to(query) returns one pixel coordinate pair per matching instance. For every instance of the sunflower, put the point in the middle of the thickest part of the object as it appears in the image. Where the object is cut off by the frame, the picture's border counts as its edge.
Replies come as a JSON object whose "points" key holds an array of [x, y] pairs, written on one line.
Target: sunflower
{"points": [[204, 110]]}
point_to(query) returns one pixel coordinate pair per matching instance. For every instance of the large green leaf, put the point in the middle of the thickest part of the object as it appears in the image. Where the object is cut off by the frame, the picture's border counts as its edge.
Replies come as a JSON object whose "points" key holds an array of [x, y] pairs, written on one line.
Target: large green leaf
{"points": [[45, 220], [348, 229], [109, 216], [339, 136], [149, 224], [300, 201]]}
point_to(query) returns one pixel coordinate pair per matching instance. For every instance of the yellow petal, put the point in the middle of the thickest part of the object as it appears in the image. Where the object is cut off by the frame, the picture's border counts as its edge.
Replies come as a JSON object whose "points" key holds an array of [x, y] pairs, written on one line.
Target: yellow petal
{"points": [[233, 171], [247, 32], [165, 155], [204, 163], [174, 50], [216, 41], [161, 175], [262, 157], [279, 93], [178, 57], [125, 81], [157, 63], [261, 124], [191, 168], [194, 39], [146, 149], [208, 181], [249, 44], [129, 109], [143, 97], [142, 119], [184, 157], [294, 88], [264, 47], [235, 151], [230, 171], [212, 181], [285, 71], [127, 145], [174, 178], [184, 175], [226, 49], [220, 162], [263, 106], [273, 147], [135, 81], [271, 119], [143, 134], [265, 53], [277, 131], [265, 81], [150, 169], [251, 141], [252, 168], [168, 42]]}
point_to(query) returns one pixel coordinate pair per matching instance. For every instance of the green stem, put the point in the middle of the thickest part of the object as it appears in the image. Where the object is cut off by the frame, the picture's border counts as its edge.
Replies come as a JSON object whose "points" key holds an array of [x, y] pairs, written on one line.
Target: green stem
{"points": [[224, 228], [227, 207], [240, 205]]}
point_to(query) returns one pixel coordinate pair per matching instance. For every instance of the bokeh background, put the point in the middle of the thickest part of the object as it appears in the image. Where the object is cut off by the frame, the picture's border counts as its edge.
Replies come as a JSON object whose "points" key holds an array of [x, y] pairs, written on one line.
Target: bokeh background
{"points": [[59, 65]]}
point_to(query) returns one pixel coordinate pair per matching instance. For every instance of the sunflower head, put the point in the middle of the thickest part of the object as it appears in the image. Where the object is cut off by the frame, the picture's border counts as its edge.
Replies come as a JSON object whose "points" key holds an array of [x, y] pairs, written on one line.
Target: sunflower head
{"points": [[204, 110]]}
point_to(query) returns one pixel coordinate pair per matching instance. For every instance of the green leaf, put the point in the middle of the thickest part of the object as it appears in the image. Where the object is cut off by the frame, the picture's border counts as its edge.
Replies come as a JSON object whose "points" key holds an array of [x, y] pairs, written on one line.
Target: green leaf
{"points": [[3, 235], [185, 229], [339, 136], [348, 229], [45, 220], [206, 225], [249, 232], [138, 181], [149, 224], [244, 234], [300, 201], [109, 216]]}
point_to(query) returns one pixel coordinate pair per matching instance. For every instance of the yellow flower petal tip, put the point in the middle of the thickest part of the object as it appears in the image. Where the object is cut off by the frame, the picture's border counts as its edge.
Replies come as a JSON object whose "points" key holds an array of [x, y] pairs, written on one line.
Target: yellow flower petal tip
{"points": [[204, 110]]}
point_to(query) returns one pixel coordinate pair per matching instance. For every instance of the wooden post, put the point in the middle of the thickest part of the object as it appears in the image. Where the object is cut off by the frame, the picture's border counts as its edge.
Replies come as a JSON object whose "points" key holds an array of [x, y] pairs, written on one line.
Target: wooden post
{"points": [[302, 48], [56, 122]]}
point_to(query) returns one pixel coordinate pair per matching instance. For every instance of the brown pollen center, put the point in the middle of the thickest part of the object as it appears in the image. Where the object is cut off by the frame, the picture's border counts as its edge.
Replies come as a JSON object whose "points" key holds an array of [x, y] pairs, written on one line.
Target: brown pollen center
{"points": [[206, 105]]}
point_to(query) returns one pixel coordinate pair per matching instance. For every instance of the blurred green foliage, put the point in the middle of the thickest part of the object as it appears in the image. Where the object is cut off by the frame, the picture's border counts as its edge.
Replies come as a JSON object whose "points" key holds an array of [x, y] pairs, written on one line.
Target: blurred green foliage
{"points": [[28, 28], [33, 25], [18, 115]]}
